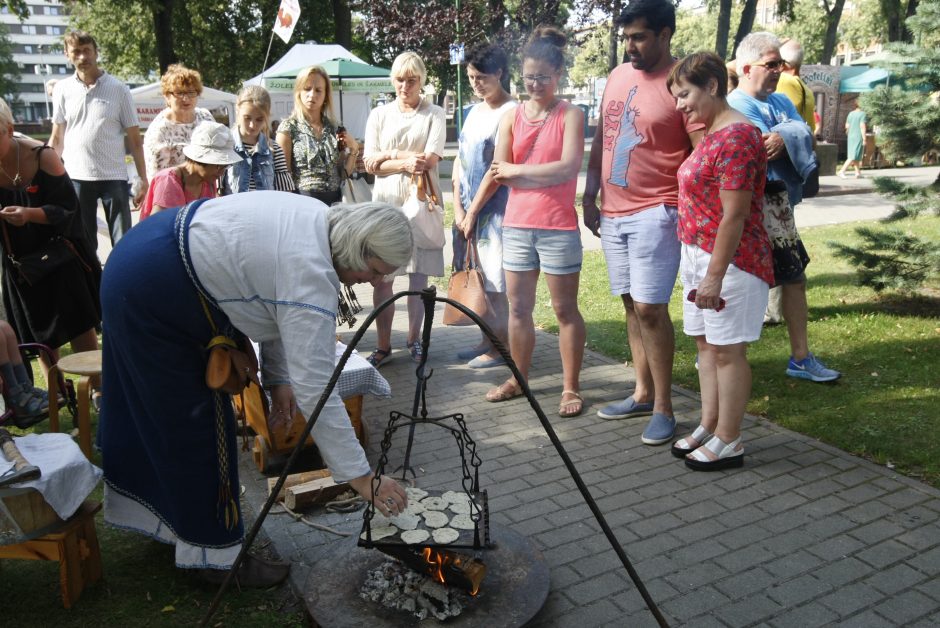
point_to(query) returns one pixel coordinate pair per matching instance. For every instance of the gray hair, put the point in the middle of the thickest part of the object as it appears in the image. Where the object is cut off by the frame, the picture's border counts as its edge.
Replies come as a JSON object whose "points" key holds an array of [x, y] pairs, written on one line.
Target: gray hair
{"points": [[792, 53], [6, 116], [359, 231], [755, 46]]}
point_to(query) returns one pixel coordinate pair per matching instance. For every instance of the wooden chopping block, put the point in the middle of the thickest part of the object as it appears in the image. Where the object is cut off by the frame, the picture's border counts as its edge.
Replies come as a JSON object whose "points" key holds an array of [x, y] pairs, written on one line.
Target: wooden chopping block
{"points": [[297, 478], [315, 492]]}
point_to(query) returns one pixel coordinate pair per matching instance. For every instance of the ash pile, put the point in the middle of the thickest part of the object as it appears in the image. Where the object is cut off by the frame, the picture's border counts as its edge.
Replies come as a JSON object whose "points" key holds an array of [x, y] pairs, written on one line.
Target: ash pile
{"points": [[395, 586]]}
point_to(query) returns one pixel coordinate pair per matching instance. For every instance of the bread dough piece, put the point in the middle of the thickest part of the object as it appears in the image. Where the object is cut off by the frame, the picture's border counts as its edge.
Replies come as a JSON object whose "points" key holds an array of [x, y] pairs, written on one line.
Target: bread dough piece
{"points": [[455, 497], [405, 521], [462, 522], [436, 519], [414, 507], [433, 503], [443, 536], [415, 493], [380, 521], [380, 533], [412, 537], [463, 508]]}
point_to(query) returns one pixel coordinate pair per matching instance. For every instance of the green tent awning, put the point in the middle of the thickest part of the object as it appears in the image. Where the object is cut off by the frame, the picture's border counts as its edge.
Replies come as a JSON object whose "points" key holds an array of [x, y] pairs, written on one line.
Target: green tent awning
{"points": [[864, 82]]}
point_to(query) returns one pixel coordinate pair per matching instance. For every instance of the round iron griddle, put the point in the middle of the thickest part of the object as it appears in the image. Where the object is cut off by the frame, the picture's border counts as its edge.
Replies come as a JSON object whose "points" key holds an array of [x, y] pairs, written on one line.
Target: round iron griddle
{"points": [[514, 589]]}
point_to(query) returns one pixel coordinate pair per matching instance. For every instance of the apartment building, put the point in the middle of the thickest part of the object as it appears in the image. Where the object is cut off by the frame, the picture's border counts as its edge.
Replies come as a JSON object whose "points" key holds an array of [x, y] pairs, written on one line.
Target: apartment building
{"points": [[37, 49]]}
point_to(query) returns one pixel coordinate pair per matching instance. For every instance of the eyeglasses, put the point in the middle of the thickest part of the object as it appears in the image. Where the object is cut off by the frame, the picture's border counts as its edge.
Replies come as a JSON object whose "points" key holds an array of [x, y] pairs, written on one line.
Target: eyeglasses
{"points": [[189, 95], [537, 79], [777, 64]]}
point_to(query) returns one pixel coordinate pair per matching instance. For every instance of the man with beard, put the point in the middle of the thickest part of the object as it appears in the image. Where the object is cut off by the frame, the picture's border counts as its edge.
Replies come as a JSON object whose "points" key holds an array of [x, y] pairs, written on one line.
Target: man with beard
{"points": [[640, 143]]}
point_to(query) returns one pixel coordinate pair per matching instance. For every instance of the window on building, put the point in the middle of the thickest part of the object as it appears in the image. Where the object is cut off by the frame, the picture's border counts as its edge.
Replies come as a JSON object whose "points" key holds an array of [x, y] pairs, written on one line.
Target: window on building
{"points": [[29, 29], [54, 30], [28, 49]]}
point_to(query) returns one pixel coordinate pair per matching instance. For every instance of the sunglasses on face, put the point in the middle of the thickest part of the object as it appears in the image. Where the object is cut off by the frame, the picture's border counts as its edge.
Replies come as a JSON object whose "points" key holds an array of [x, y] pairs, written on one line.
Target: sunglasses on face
{"points": [[777, 64], [537, 79]]}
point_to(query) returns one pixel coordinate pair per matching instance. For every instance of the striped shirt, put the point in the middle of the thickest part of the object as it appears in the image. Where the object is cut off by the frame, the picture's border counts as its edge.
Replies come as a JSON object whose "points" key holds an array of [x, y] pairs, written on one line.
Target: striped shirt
{"points": [[95, 118], [283, 181]]}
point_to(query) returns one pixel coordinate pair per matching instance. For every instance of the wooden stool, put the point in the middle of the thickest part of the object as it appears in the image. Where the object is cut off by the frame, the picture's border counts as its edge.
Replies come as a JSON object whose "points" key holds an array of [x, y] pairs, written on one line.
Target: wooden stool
{"points": [[74, 545], [87, 364]]}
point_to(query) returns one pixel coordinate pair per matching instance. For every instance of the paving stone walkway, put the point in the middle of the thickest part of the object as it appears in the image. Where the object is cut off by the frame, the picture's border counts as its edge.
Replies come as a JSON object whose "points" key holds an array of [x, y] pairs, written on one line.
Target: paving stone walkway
{"points": [[804, 535]]}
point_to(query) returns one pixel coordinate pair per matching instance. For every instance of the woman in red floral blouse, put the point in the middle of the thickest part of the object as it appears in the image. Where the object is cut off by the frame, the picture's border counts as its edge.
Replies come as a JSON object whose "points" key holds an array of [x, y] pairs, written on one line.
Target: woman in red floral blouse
{"points": [[726, 264]]}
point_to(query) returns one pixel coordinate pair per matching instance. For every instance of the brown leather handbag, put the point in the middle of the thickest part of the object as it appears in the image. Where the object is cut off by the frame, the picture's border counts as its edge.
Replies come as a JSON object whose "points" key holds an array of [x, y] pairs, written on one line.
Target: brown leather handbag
{"points": [[468, 288], [230, 367]]}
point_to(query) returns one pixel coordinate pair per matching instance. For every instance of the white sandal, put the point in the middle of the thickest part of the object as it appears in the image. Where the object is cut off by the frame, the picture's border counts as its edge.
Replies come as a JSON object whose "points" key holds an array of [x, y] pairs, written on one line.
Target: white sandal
{"points": [[728, 455], [683, 447]]}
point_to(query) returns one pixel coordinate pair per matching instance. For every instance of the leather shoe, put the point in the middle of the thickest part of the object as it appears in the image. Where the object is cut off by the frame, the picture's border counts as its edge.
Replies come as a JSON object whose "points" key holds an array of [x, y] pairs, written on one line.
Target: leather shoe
{"points": [[253, 573]]}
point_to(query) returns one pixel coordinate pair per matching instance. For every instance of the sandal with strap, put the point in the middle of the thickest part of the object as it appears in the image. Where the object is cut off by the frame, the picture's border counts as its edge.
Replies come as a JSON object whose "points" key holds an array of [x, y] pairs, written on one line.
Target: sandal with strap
{"points": [[379, 357], [577, 403], [503, 392], [724, 455], [684, 446]]}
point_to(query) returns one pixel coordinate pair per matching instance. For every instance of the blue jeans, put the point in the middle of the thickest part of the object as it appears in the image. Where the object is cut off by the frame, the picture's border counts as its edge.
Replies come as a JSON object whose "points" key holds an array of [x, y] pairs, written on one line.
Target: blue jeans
{"points": [[115, 197]]}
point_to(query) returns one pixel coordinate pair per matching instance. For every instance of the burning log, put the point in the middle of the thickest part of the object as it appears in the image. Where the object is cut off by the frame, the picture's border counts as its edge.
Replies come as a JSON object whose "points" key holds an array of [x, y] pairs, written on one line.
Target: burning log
{"points": [[444, 566]]}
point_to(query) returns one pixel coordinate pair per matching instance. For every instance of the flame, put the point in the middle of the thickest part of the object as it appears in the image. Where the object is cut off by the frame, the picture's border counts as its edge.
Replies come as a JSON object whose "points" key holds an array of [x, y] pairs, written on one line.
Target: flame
{"points": [[437, 561]]}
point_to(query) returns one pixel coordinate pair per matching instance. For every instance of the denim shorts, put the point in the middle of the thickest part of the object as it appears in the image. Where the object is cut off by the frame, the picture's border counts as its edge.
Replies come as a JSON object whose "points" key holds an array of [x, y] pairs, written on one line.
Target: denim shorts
{"points": [[553, 251], [642, 253]]}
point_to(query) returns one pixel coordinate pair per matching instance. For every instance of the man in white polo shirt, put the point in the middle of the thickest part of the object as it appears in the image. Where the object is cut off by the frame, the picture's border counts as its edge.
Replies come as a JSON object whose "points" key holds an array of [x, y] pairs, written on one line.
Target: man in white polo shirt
{"points": [[92, 111]]}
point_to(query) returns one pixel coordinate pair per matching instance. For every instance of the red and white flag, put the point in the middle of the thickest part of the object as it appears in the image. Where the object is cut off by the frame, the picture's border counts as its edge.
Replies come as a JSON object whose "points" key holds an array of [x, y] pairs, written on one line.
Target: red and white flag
{"points": [[287, 15]]}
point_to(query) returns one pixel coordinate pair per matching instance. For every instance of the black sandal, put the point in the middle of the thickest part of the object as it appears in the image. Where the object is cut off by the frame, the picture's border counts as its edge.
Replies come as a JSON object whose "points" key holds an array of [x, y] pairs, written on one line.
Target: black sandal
{"points": [[379, 357]]}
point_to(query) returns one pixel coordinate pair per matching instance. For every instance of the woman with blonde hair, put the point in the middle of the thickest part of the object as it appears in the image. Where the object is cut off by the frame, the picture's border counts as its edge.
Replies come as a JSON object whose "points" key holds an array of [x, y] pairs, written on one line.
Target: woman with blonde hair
{"points": [[313, 142], [171, 129], [405, 139], [263, 166], [40, 211]]}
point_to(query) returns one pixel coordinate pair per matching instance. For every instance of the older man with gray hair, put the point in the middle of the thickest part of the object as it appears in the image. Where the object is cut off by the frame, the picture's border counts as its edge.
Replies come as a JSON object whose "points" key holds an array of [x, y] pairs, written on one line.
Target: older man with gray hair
{"points": [[789, 142]]}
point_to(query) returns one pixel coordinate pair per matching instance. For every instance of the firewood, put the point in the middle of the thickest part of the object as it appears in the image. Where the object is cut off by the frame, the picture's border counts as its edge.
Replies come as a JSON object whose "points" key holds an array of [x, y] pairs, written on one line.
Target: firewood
{"points": [[297, 478], [315, 492]]}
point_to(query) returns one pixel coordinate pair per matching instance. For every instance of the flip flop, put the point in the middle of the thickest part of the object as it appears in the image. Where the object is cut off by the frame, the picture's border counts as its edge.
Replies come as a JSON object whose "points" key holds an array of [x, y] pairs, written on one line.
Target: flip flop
{"points": [[578, 401], [379, 357], [503, 392]]}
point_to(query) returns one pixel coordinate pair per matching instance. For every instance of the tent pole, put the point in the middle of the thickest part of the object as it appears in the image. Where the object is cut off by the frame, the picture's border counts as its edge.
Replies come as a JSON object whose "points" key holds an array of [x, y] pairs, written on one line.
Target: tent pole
{"points": [[266, 55]]}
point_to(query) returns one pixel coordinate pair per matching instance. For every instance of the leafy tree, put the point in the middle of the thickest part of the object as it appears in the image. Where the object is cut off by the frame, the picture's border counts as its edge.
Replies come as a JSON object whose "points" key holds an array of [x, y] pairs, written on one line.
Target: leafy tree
{"points": [[909, 125], [428, 28], [225, 41], [591, 59], [9, 70]]}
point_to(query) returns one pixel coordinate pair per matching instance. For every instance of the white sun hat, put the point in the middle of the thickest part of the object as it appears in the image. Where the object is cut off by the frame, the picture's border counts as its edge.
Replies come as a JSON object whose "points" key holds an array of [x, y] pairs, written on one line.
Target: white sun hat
{"points": [[212, 143]]}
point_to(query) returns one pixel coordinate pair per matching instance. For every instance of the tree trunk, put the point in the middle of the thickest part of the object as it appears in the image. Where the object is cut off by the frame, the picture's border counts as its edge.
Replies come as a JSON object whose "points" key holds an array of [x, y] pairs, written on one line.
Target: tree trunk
{"points": [[748, 13], [833, 17], [612, 60], [342, 23], [163, 32], [907, 35], [724, 27]]}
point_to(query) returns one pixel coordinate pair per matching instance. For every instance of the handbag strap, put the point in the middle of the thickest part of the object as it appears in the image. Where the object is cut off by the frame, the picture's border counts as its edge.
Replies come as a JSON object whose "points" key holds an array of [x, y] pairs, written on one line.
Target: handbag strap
{"points": [[471, 259]]}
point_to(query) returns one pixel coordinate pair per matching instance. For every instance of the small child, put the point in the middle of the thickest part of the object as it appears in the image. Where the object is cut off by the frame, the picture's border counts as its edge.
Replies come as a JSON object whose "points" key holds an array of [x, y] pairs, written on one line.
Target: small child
{"points": [[27, 401]]}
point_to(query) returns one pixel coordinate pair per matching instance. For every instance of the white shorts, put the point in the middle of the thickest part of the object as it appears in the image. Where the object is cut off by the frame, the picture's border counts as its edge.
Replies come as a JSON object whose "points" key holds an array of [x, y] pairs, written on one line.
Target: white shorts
{"points": [[745, 298]]}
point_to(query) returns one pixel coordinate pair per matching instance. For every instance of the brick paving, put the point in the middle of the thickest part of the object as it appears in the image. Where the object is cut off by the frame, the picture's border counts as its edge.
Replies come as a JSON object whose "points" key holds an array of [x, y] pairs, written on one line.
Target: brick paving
{"points": [[804, 535]]}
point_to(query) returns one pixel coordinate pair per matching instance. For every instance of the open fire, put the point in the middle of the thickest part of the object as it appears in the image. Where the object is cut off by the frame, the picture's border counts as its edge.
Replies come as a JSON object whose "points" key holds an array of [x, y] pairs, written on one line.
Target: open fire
{"points": [[447, 567]]}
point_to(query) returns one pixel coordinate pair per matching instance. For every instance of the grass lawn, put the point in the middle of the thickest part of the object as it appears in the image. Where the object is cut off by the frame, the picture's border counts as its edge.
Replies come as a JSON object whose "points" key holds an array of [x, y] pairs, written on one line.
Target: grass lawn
{"points": [[888, 348]]}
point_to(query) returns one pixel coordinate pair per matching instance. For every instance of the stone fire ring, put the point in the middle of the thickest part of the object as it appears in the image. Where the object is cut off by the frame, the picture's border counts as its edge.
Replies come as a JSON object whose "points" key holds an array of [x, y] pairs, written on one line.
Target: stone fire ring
{"points": [[514, 589]]}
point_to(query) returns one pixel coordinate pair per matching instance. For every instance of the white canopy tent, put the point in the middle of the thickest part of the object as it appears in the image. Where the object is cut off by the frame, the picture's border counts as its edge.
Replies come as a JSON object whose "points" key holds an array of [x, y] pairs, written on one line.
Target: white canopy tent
{"points": [[357, 93], [149, 101]]}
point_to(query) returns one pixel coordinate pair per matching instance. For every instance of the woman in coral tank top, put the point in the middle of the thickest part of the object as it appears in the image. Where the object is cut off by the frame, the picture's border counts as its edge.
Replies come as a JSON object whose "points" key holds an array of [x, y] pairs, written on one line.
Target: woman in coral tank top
{"points": [[538, 156]]}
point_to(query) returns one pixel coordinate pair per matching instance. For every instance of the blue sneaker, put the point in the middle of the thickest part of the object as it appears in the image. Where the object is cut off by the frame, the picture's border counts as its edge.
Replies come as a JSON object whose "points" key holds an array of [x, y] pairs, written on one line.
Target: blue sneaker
{"points": [[812, 369], [623, 409], [659, 430]]}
